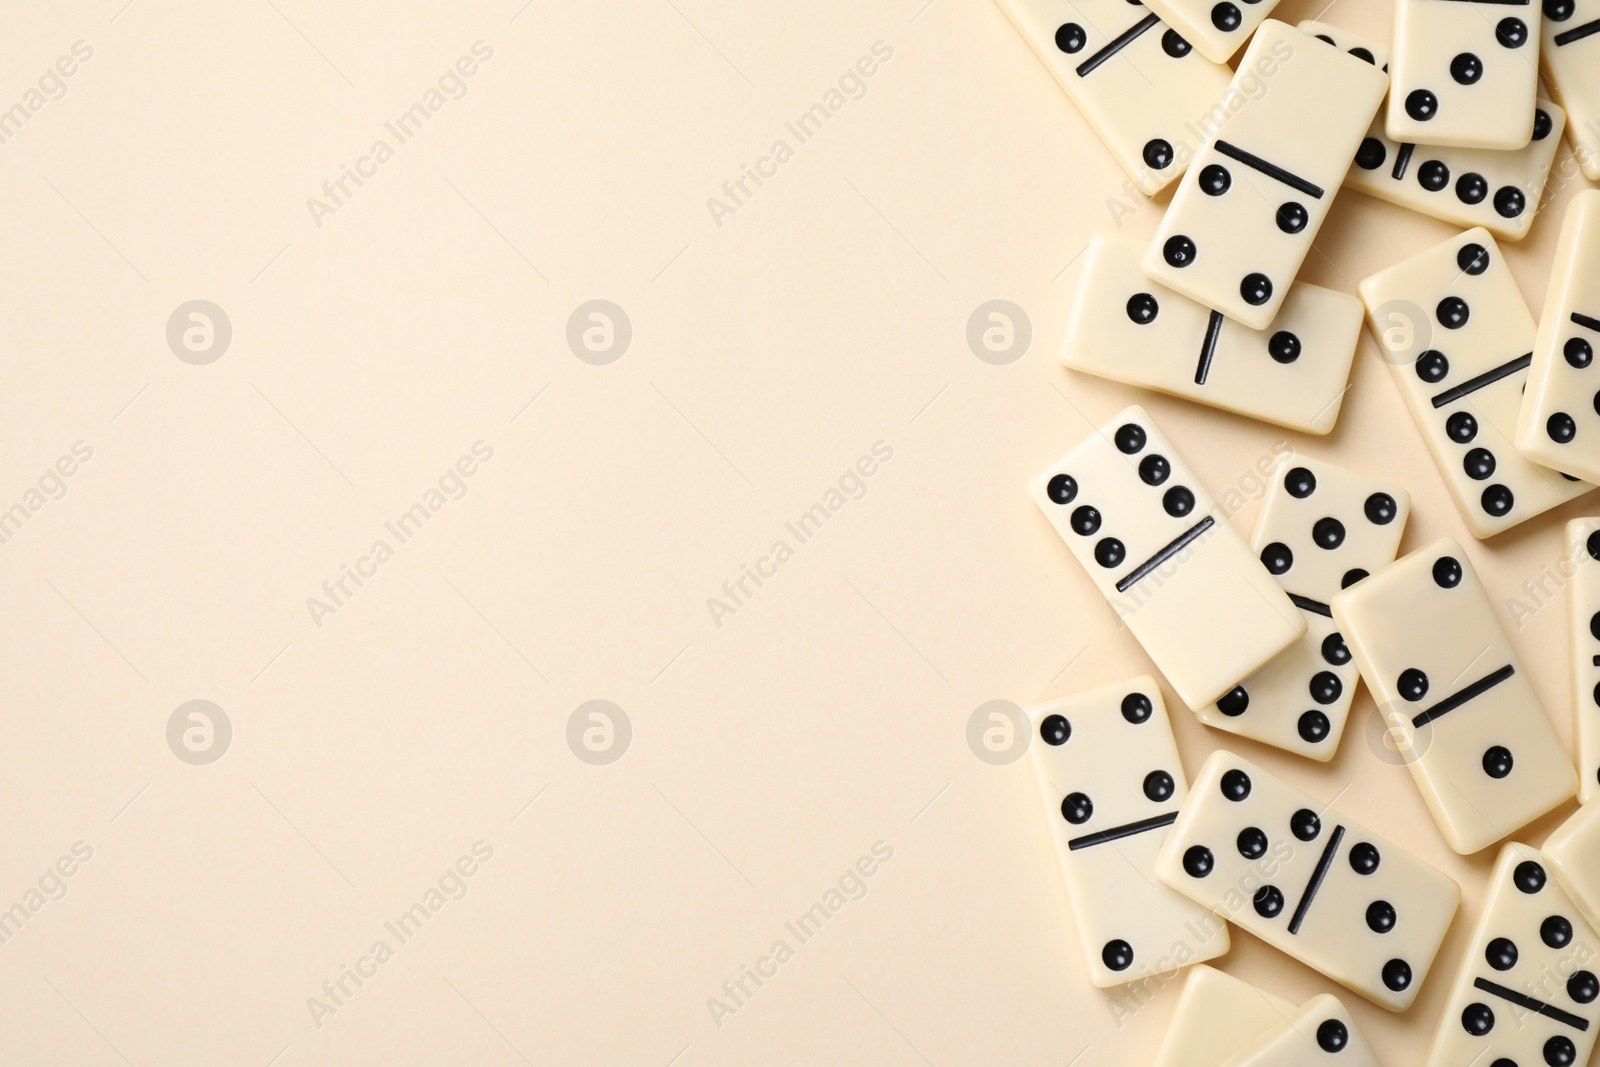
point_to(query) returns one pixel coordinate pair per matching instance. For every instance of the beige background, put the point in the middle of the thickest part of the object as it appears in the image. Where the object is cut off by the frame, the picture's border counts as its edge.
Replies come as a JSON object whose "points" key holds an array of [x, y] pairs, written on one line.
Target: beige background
{"points": [[430, 711]]}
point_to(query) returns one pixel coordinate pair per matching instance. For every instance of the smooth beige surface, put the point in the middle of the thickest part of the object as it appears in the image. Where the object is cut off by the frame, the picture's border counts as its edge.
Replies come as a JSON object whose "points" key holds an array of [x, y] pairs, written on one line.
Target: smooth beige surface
{"points": [[781, 744], [1295, 113], [1444, 369], [1478, 70], [1478, 742], [1570, 59], [1250, 846], [1572, 852], [1106, 761], [1531, 940], [1320, 1033], [1583, 645], [1216, 1016], [1324, 527], [1558, 423], [1128, 328], [1165, 557]]}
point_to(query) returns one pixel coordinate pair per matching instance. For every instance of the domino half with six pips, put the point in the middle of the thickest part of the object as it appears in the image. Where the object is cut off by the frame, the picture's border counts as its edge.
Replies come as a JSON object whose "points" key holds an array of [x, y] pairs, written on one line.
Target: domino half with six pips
{"points": [[1128, 328], [1454, 329], [1444, 674], [1308, 880], [1111, 779], [1321, 529], [1136, 80], [1166, 557], [1246, 213]]}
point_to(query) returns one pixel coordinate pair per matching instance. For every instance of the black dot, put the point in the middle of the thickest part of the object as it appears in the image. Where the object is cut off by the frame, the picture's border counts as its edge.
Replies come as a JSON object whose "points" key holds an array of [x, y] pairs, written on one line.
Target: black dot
{"points": [[1471, 188], [1497, 500], [1579, 353], [1284, 347], [1593, 545], [1561, 428], [1334, 650], [1559, 10], [1173, 44], [1277, 558], [1063, 489], [1178, 501], [1497, 761], [1118, 955], [1556, 931], [1433, 175], [1472, 258], [1235, 702], [1453, 313], [1076, 808], [1511, 33], [1478, 463], [1371, 154], [1130, 438], [1509, 201], [1447, 572], [1325, 39], [1292, 218], [1154, 469], [1252, 843], [1380, 916], [1422, 105], [1528, 877], [1351, 577], [1299, 483], [1325, 687], [1432, 366], [1305, 825], [1501, 954], [1364, 55], [1381, 509], [1136, 708], [1466, 68], [1235, 785], [1542, 124], [1085, 520], [1143, 308], [1257, 288], [1364, 858], [1328, 533], [1071, 38], [1158, 786], [1397, 974], [1215, 180], [1226, 17], [1158, 153], [1313, 727], [1413, 684], [1197, 861], [1594, 622], [1332, 1035], [1583, 986], [1560, 1052], [1055, 729], [1461, 427], [1268, 901], [1108, 552], [1477, 1019], [1179, 251]]}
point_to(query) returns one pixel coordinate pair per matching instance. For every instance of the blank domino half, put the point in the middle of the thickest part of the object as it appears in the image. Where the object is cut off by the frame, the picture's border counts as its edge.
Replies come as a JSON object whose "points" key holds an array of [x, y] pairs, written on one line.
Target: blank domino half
{"points": [[1131, 329], [1111, 780], [1559, 421], [1308, 880], [1217, 1017], [1136, 80], [1583, 640], [1166, 557], [1245, 214], [1458, 338], [1445, 675]]}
